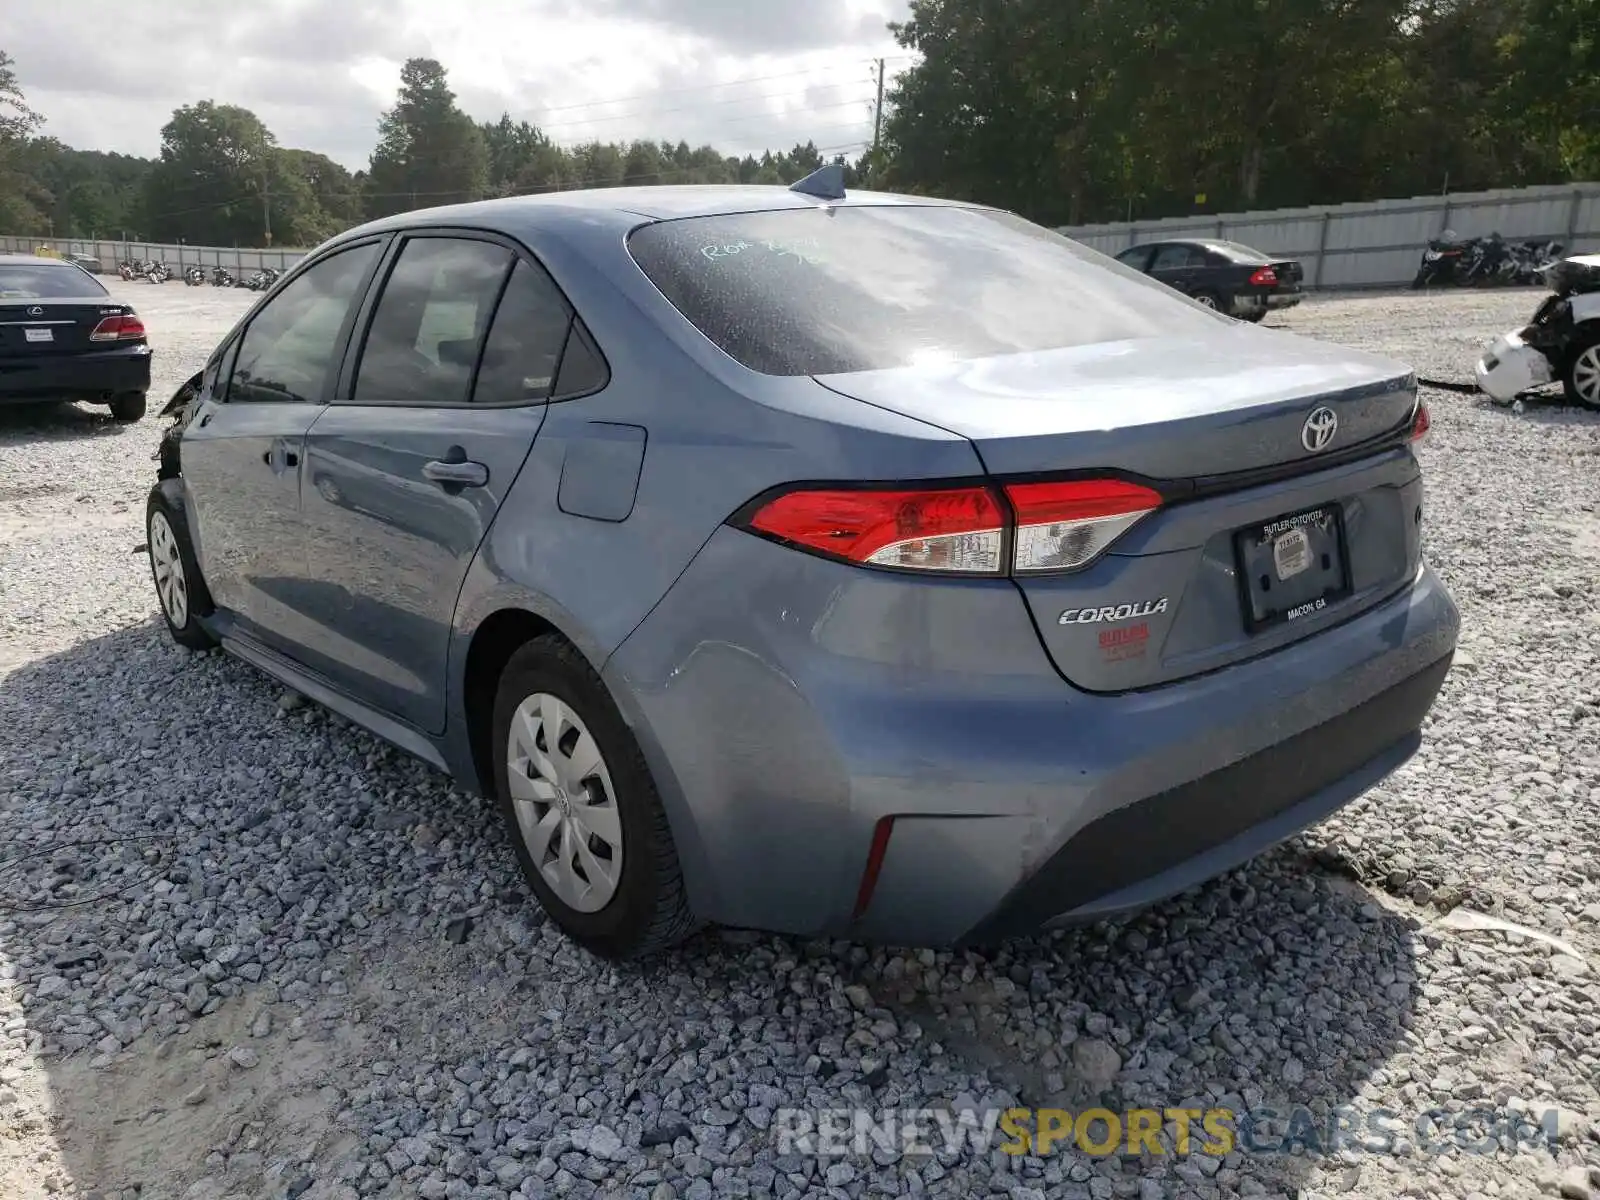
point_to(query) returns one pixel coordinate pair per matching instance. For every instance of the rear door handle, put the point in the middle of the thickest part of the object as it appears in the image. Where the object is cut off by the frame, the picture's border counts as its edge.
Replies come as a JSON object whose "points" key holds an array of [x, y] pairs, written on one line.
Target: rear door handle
{"points": [[280, 457], [460, 473]]}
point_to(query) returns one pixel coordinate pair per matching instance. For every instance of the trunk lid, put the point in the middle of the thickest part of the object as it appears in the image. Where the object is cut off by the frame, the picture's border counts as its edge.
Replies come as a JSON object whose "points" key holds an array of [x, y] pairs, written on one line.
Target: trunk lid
{"points": [[1263, 540], [31, 328], [1166, 408]]}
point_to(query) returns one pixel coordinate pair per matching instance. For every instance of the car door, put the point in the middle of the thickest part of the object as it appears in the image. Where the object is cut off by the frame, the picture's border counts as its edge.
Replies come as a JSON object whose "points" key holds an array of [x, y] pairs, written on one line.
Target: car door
{"points": [[407, 468], [242, 452], [1178, 265]]}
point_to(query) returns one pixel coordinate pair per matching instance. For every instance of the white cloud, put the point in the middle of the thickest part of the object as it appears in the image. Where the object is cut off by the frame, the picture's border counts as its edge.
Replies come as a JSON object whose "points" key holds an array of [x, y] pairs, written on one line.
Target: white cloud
{"points": [[743, 75]]}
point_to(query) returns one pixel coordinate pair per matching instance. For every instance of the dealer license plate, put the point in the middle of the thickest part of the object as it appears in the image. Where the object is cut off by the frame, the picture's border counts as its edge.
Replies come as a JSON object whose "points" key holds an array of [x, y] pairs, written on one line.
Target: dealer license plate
{"points": [[1293, 566]]}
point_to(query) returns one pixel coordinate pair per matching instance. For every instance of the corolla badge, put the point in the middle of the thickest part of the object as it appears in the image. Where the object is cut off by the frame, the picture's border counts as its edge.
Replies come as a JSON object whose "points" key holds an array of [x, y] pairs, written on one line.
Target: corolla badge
{"points": [[1319, 429]]}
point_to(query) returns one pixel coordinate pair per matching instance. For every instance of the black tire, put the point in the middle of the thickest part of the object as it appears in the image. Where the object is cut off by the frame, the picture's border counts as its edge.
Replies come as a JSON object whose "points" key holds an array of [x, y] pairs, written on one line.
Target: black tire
{"points": [[1209, 299], [189, 634], [127, 407], [1256, 315], [649, 910], [1585, 346]]}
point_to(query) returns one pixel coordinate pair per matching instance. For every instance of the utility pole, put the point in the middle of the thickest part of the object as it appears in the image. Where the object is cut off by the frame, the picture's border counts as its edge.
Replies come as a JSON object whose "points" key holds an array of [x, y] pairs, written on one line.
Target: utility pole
{"points": [[266, 207], [877, 121]]}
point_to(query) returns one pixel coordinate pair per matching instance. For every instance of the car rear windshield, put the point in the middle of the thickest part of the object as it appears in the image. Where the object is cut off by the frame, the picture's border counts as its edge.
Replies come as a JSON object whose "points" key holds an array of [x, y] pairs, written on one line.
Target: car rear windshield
{"points": [[845, 288], [30, 281], [1243, 255]]}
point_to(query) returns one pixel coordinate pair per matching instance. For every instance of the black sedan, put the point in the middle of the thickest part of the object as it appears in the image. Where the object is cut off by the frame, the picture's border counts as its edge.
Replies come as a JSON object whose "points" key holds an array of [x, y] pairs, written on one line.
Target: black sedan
{"points": [[1235, 279], [62, 337]]}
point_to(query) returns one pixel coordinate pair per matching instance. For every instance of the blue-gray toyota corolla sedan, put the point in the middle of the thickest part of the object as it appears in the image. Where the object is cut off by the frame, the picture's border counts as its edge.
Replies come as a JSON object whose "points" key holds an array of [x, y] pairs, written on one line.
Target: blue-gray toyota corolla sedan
{"points": [[858, 565]]}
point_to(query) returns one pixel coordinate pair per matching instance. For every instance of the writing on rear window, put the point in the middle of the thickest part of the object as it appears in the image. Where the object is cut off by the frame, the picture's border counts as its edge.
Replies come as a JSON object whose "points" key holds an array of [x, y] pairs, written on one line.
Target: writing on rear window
{"points": [[804, 249]]}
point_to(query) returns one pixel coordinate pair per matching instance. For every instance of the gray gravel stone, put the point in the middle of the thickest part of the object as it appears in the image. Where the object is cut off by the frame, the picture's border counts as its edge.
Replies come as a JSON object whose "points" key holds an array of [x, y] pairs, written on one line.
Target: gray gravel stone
{"points": [[283, 883]]}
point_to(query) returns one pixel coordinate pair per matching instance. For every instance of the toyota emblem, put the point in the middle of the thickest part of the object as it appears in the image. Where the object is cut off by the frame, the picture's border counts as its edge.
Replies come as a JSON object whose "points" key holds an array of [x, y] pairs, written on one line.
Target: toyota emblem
{"points": [[36, 311], [1319, 429]]}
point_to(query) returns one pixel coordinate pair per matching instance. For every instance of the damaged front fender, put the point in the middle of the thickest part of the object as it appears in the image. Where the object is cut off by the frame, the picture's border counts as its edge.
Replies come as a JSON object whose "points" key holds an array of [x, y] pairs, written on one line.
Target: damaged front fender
{"points": [[181, 409], [184, 396]]}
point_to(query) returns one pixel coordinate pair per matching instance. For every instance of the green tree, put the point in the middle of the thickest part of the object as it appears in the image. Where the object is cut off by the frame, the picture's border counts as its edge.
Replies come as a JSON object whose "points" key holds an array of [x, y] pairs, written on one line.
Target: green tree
{"points": [[429, 152], [18, 192]]}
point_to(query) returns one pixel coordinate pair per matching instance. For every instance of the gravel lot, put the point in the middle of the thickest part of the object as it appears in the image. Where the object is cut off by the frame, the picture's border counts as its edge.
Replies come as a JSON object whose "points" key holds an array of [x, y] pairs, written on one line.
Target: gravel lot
{"points": [[299, 964]]}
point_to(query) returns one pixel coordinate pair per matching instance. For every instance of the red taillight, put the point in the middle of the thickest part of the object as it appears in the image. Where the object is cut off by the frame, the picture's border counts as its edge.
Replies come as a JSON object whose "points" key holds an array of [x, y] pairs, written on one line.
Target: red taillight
{"points": [[1421, 423], [1265, 277], [1062, 526], [118, 329], [1058, 526], [942, 529]]}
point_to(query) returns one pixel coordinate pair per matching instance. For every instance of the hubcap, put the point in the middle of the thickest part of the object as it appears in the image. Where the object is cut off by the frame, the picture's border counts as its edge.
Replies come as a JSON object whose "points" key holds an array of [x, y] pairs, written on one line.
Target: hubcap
{"points": [[1206, 301], [1586, 376], [565, 805], [167, 565]]}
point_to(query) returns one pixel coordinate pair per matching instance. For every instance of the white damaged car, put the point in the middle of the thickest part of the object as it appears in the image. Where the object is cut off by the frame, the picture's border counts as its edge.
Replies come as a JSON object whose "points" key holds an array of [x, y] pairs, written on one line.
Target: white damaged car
{"points": [[1561, 343]]}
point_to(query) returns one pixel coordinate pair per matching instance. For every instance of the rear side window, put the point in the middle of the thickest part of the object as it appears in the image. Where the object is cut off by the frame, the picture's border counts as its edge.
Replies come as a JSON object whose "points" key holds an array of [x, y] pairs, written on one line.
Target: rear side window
{"points": [[821, 290], [523, 352], [1176, 257], [46, 280], [430, 321]]}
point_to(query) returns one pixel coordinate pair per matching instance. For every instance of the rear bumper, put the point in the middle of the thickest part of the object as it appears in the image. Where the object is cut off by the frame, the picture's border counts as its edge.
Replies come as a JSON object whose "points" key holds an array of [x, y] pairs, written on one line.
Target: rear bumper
{"points": [[92, 375], [1250, 302], [789, 705], [1220, 820]]}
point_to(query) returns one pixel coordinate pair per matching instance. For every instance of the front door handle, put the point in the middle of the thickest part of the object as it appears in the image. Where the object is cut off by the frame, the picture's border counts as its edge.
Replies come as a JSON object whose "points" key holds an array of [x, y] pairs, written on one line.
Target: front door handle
{"points": [[457, 473]]}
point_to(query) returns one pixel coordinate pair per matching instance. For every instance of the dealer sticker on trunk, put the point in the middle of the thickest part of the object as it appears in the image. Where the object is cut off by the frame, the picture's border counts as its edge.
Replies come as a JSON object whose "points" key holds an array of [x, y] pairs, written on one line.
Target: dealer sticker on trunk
{"points": [[1291, 553]]}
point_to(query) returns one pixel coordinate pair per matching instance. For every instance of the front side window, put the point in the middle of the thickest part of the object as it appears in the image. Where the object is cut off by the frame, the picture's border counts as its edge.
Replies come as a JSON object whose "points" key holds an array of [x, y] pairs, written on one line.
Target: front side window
{"points": [[820, 290], [290, 348], [430, 322]]}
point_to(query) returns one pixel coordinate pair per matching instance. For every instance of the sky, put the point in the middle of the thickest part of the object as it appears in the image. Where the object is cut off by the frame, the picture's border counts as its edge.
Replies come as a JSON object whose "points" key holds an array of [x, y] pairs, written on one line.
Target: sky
{"points": [[742, 75]]}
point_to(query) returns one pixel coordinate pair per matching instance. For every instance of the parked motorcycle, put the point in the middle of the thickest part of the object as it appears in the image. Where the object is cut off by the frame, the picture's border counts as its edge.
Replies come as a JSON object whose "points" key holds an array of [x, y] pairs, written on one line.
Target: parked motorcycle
{"points": [[128, 269], [157, 272], [1560, 344], [1489, 261], [193, 277], [261, 280], [221, 277], [1441, 262]]}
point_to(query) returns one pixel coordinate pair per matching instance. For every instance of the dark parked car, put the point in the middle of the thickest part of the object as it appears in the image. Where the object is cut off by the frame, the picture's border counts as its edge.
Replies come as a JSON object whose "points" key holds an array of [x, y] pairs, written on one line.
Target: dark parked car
{"points": [[1226, 276], [88, 262], [62, 337], [868, 565]]}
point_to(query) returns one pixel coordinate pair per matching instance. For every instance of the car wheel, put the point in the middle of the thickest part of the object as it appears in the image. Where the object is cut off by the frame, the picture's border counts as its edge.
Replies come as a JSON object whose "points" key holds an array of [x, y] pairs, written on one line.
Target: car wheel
{"points": [[329, 490], [1581, 379], [1255, 316], [1208, 300], [179, 587], [128, 407], [581, 807]]}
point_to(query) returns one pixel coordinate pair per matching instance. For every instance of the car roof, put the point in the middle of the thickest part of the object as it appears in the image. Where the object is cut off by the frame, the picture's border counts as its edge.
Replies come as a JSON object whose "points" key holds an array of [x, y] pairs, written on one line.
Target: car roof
{"points": [[13, 260], [630, 206]]}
